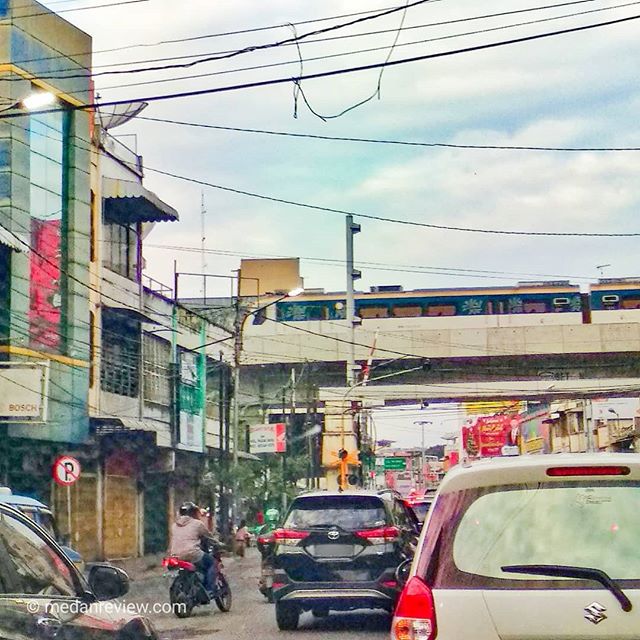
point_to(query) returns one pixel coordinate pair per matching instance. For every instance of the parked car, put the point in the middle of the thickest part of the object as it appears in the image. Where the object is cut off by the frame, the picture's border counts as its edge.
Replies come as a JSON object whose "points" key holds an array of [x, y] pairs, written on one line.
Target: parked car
{"points": [[540, 546], [339, 552], [43, 595], [42, 515]]}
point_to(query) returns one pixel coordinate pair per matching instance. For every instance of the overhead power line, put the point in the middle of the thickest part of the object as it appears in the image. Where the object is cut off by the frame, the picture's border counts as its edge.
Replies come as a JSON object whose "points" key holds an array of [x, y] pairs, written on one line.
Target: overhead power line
{"points": [[295, 41], [408, 143], [332, 73], [412, 223]]}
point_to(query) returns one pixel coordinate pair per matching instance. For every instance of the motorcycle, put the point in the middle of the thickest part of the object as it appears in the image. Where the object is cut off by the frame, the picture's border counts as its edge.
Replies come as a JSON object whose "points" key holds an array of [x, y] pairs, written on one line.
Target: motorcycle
{"points": [[265, 544], [187, 587]]}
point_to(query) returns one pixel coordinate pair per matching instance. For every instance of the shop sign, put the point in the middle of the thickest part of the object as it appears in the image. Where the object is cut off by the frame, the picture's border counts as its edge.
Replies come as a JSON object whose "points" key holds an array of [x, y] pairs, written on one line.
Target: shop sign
{"points": [[23, 390], [268, 438]]}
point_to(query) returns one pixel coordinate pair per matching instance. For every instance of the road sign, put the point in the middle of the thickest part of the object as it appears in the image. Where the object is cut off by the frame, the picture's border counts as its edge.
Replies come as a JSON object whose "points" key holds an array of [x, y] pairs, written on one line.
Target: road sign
{"points": [[66, 470], [395, 464]]}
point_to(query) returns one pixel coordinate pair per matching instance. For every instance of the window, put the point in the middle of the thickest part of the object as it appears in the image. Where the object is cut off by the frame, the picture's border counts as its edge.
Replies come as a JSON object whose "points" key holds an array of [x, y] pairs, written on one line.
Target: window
{"points": [[157, 358], [120, 364], [28, 565], [441, 310], [476, 532], [47, 197], [350, 512], [630, 303], [534, 306], [121, 249], [407, 311], [373, 312]]}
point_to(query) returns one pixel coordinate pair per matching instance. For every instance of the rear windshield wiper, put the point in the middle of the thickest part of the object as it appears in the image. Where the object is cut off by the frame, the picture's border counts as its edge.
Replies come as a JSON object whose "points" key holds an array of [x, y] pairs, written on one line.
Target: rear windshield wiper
{"points": [[582, 573]]}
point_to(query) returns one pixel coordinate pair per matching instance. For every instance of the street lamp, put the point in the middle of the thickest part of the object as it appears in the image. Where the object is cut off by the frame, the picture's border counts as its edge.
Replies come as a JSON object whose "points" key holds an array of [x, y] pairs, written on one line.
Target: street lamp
{"points": [[422, 423], [35, 100], [237, 351]]}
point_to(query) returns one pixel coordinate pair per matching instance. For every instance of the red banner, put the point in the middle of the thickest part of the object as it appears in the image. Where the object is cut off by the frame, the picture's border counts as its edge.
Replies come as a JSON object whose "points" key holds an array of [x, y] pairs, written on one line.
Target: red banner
{"points": [[486, 437]]}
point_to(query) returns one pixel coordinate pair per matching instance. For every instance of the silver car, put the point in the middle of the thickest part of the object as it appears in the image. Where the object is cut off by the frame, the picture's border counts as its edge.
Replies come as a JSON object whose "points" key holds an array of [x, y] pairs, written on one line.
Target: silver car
{"points": [[534, 547]]}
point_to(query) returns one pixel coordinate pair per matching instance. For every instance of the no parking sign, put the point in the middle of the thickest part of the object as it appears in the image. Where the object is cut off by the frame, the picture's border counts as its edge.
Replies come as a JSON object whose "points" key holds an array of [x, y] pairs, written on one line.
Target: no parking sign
{"points": [[66, 470]]}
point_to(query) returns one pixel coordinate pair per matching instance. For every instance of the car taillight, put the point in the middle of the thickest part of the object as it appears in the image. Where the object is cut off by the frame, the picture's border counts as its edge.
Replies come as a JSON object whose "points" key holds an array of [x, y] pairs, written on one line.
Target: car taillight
{"points": [[415, 616], [289, 536], [380, 535], [265, 539], [596, 470]]}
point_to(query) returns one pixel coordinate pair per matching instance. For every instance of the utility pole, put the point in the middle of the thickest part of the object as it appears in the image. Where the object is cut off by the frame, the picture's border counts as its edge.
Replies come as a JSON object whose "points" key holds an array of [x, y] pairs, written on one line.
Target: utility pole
{"points": [[237, 351], [422, 423], [352, 275]]}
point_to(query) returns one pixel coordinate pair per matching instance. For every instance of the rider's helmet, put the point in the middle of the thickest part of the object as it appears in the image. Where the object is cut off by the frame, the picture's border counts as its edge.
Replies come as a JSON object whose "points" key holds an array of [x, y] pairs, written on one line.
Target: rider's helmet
{"points": [[272, 515], [190, 509]]}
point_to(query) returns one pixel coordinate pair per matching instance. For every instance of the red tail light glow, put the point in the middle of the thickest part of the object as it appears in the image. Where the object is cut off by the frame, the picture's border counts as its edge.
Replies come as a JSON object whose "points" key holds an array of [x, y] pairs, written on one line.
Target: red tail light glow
{"points": [[415, 616], [595, 470], [380, 535], [289, 536]]}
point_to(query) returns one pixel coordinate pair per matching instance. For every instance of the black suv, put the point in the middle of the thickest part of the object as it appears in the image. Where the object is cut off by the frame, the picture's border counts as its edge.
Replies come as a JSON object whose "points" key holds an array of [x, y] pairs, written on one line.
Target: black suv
{"points": [[339, 551]]}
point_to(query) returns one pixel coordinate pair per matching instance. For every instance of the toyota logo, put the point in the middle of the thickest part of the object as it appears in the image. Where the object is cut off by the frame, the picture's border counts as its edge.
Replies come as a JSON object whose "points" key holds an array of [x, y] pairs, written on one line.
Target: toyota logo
{"points": [[333, 535]]}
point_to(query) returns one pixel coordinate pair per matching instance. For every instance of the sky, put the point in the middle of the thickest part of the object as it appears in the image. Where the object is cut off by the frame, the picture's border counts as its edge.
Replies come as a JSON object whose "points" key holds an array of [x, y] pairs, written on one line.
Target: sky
{"points": [[575, 90], [572, 90]]}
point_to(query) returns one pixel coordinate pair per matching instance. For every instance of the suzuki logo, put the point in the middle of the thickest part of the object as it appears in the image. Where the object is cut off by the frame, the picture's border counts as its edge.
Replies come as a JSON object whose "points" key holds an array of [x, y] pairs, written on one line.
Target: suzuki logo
{"points": [[595, 613], [333, 535]]}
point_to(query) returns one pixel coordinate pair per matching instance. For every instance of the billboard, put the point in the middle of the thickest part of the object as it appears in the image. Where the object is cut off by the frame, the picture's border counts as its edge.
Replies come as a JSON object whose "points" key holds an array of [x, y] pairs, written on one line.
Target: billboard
{"points": [[485, 436], [268, 438]]}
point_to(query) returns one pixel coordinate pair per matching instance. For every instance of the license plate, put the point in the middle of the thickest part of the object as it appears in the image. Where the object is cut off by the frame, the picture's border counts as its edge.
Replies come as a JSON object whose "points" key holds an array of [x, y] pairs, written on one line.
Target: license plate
{"points": [[331, 550]]}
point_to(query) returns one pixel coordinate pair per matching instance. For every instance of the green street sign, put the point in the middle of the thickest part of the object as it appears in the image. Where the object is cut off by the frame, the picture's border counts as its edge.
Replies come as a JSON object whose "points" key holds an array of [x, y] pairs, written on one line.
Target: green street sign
{"points": [[395, 464]]}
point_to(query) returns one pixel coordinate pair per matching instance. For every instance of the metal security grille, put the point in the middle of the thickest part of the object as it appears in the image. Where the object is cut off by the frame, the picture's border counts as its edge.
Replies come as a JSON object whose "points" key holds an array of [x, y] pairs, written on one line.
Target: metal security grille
{"points": [[157, 357]]}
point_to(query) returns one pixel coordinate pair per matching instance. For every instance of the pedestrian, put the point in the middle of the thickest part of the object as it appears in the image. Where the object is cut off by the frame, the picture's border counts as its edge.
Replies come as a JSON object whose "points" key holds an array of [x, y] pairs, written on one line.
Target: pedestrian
{"points": [[241, 538]]}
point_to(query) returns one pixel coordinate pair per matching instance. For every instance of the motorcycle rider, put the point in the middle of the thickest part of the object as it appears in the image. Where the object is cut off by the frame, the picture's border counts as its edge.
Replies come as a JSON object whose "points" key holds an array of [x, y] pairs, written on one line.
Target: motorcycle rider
{"points": [[188, 534]]}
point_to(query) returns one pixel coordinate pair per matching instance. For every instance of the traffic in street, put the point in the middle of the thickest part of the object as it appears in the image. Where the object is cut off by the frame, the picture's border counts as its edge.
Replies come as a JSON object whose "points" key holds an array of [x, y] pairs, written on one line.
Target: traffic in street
{"points": [[251, 616]]}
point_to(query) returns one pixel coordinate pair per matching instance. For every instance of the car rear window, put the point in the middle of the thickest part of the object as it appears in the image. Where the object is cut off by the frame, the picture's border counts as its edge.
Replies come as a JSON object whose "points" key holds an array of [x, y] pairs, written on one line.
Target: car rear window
{"points": [[348, 512], [472, 534], [420, 509]]}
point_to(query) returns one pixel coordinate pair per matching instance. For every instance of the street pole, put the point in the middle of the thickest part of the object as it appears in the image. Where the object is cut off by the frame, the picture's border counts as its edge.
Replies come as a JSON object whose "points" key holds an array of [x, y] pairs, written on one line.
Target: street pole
{"points": [[352, 275], [422, 423]]}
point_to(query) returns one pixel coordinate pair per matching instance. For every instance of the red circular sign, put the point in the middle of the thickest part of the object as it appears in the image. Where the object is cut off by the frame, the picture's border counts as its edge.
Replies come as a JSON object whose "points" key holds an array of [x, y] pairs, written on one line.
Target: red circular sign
{"points": [[66, 470]]}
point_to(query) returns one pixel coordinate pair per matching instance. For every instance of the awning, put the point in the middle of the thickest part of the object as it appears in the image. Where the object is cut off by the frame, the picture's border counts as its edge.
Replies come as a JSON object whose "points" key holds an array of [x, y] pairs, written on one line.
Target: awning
{"points": [[9, 240], [126, 201]]}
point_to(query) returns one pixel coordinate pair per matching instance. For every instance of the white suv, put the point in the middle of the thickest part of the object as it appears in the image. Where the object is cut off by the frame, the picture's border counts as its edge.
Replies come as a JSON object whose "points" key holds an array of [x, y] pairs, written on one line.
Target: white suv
{"points": [[542, 547]]}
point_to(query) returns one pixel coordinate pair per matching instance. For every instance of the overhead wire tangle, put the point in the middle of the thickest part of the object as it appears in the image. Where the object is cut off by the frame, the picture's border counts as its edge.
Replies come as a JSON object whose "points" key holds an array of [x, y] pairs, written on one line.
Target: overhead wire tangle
{"points": [[412, 223], [331, 73], [222, 55], [256, 47], [209, 35]]}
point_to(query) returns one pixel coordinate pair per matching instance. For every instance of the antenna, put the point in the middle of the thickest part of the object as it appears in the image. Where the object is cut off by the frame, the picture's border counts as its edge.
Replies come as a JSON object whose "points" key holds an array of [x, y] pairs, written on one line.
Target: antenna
{"points": [[203, 248], [601, 268]]}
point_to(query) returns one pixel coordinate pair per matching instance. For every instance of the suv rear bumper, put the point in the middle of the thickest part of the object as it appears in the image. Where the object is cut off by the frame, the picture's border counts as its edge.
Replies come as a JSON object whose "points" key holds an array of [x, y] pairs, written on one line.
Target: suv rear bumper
{"points": [[343, 596]]}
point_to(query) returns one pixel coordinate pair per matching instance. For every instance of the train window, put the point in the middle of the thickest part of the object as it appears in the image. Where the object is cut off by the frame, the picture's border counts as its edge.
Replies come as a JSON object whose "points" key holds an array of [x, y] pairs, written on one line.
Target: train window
{"points": [[441, 310], [610, 301], [316, 312], [536, 306], [560, 304], [407, 311], [373, 312], [630, 303], [489, 307]]}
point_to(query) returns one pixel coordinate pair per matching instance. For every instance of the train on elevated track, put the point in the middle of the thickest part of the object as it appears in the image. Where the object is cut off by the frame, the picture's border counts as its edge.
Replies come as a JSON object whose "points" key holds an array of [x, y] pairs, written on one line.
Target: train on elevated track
{"points": [[526, 304]]}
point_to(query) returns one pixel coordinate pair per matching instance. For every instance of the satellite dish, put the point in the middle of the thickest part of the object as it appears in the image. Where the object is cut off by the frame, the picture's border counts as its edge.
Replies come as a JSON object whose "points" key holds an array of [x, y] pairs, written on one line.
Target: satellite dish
{"points": [[112, 117]]}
